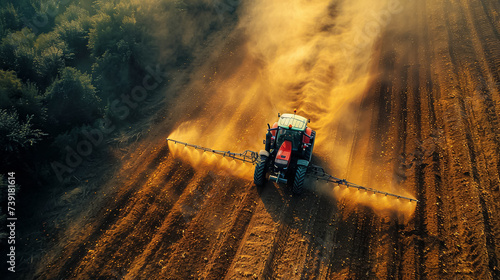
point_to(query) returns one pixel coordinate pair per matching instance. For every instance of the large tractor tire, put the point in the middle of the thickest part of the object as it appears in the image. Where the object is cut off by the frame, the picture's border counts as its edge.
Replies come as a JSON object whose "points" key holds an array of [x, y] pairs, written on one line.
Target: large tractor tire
{"points": [[259, 175], [308, 151], [300, 176]]}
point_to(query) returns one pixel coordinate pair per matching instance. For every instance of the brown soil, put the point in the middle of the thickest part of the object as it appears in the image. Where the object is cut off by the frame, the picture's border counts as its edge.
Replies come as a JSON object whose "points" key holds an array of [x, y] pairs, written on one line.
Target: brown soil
{"points": [[431, 115]]}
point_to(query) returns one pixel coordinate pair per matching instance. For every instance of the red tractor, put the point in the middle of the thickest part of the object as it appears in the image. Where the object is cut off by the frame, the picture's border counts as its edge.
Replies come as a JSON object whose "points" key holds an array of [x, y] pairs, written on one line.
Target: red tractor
{"points": [[289, 145]]}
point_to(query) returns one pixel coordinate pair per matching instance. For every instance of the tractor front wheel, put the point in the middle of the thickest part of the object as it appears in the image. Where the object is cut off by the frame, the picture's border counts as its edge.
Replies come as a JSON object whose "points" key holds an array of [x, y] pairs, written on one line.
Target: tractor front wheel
{"points": [[259, 175], [300, 176]]}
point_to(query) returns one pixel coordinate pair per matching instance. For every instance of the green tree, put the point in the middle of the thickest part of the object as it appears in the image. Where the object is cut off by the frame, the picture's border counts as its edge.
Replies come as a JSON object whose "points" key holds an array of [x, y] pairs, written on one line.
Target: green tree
{"points": [[71, 100], [14, 135], [10, 89], [9, 19], [73, 27], [31, 104], [17, 53], [51, 56], [24, 98], [118, 43], [49, 62]]}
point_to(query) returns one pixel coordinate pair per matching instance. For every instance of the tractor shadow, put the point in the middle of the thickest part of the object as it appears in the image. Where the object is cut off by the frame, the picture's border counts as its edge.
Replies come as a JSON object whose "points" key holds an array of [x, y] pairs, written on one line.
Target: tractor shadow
{"points": [[317, 220], [281, 203]]}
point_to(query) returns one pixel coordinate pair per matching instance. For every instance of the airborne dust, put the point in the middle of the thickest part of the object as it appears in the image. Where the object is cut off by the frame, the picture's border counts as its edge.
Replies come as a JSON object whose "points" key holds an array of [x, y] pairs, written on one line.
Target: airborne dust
{"points": [[314, 56]]}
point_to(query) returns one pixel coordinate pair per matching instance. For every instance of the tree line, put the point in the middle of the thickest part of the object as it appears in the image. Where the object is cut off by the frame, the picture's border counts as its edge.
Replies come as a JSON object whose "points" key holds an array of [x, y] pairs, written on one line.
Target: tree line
{"points": [[64, 64]]}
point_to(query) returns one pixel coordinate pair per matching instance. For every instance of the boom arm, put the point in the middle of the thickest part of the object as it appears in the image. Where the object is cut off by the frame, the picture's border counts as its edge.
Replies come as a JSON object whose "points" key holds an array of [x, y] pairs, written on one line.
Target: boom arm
{"points": [[246, 156], [313, 170], [320, 174]]}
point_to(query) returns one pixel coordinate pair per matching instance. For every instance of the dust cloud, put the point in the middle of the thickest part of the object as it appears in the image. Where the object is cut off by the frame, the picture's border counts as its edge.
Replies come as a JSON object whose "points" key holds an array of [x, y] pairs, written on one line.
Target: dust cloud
{"points": [[313, 56]]}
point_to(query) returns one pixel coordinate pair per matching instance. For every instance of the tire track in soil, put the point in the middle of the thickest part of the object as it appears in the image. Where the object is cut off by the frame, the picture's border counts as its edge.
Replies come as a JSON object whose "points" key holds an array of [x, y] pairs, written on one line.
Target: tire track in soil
{"points": [[417, 231], [486, 41], [432, 216], [409, 241], [485, 176], [440, 72], [482, 42], [358, 263], [170, 230], [420, 153], [392, 126], [200, 236], [288, 260], [321, 245], [263, 237], [138, 225], [464, 227], [381, 246], [468, 233], [484, 116], [75, 251], [342, 266], [225, 250]]}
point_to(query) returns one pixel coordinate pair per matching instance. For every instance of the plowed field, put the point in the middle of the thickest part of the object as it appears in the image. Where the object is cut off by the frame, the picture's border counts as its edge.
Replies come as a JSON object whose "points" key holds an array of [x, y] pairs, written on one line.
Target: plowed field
{"points": [[404, 96]]}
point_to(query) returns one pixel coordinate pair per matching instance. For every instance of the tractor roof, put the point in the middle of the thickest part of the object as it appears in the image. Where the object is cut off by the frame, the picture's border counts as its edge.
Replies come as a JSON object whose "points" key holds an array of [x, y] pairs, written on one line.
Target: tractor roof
{"points": [[298, 123]]}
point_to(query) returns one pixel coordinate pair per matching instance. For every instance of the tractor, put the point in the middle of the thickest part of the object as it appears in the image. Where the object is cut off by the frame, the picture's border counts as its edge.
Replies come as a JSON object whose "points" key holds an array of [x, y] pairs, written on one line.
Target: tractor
{"points": [[288, 150], [287, 156]]}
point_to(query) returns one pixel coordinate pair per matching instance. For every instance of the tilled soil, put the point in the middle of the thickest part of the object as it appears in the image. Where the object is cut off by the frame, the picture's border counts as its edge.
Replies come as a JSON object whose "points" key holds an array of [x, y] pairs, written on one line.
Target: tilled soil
{"points": [[430, 115]]}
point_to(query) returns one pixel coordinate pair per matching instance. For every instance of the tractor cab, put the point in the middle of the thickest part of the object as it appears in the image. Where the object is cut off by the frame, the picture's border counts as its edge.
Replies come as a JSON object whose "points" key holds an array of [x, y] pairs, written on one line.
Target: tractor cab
{"points": [[289, 143], [290, 127]]}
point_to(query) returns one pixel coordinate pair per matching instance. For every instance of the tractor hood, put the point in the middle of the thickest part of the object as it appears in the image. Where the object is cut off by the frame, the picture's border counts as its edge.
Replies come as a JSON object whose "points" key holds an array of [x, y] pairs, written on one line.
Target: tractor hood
{"points": [[283, 157]]}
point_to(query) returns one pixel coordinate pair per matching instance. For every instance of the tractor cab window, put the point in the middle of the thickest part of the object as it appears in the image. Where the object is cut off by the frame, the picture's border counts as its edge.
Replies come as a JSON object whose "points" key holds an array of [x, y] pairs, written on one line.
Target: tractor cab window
{"points": [[290, 135]]}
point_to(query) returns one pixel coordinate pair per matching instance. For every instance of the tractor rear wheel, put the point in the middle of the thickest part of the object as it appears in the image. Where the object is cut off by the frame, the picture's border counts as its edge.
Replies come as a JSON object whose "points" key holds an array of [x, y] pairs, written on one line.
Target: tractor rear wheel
{"points": [[259, 175], [300, 176]]}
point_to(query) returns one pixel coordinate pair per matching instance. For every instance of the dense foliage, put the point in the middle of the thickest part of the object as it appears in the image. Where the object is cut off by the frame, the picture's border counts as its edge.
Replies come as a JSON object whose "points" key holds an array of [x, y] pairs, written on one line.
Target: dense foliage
{"points": [[73, 66], [60, 63]]}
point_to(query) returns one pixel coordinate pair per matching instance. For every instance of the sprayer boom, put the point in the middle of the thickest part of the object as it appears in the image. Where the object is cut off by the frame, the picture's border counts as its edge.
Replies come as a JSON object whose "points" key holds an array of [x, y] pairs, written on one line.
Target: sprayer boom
{"points": [[246, 156], [319, 173], [309, 170]]}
